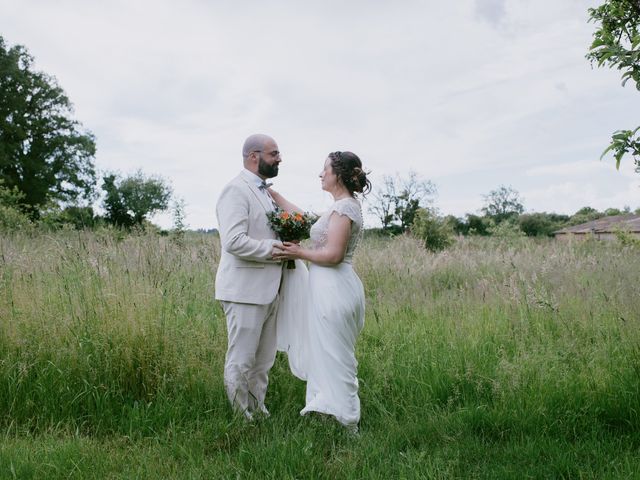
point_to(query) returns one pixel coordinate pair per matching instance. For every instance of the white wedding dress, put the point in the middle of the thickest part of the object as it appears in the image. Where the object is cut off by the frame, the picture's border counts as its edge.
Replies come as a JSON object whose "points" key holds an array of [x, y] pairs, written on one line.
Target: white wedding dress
{"points": [[320, 316]]}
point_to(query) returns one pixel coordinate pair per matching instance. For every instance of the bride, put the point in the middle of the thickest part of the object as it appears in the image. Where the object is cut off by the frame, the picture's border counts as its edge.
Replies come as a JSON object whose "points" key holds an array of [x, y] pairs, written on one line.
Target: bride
{"points": [[327, 336]]}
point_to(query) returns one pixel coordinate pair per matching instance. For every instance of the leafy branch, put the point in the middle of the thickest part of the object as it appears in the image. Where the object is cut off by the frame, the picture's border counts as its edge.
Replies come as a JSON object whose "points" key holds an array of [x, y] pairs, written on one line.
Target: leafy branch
{"points": [[616, 44]]}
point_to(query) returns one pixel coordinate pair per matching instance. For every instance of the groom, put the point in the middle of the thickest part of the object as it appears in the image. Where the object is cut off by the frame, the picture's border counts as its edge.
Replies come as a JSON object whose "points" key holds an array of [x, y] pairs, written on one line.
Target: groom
{"points": [[248, 279]]}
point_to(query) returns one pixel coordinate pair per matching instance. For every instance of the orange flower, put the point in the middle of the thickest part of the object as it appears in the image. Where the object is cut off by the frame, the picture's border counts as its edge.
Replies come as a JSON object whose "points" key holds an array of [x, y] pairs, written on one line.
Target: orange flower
{"points": [[297, 217], [284, 215]]}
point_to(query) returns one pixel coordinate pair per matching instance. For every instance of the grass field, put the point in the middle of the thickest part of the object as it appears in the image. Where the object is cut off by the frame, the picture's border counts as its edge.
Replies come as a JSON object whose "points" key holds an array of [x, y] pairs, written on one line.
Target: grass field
{"points": [[494, 359]]}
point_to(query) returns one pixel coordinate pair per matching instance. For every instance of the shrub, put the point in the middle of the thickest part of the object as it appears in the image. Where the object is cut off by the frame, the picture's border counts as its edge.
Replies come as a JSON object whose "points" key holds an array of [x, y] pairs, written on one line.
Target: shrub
{"points": [[432, 230], [12, 216], [12, 219], [541, 224], [626, 238], [506, 229]]}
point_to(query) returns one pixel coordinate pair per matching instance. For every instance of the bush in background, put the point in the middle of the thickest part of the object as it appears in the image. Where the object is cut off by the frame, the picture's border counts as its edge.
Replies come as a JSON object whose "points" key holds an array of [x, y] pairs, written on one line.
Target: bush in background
{"points": [[541, 224], [508, 228], [434, 231], [12, 216]]}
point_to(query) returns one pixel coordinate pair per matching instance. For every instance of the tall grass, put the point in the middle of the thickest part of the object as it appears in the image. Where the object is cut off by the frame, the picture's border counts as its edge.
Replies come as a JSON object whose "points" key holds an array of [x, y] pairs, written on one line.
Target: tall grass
{"points": [[492, 359]]}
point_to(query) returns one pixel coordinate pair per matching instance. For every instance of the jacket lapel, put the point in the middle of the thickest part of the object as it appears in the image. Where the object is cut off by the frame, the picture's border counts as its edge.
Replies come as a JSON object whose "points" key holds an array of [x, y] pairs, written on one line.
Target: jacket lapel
{"points": [[262, 198]]}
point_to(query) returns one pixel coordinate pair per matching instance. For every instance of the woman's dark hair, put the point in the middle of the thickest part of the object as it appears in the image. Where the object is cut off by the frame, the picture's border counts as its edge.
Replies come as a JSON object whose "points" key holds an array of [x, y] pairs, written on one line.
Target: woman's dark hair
{"points": [[348, 168]]}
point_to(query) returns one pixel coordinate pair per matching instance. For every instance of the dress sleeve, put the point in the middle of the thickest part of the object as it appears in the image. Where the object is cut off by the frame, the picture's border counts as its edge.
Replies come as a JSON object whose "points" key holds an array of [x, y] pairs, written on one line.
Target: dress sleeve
{"points": [[350, 209]]}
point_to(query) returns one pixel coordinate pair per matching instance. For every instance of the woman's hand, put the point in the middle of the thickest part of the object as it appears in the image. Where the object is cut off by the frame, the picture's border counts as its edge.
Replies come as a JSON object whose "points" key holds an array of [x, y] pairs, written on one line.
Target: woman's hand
{"points": [[288, 251]]}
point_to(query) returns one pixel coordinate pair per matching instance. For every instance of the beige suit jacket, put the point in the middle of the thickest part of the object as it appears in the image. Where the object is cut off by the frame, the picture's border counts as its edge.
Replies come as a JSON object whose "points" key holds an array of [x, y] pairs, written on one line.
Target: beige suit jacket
{"points": [[246, 273]]}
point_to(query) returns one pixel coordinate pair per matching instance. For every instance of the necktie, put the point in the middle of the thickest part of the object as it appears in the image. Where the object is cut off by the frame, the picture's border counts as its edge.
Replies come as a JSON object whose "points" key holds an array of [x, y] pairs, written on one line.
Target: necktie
{"points": [[263, 187]]}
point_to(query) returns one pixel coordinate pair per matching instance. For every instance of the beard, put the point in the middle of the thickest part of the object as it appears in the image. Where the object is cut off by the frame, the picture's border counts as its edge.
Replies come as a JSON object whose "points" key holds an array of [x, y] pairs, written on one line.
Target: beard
{"points": [[266, 170]]}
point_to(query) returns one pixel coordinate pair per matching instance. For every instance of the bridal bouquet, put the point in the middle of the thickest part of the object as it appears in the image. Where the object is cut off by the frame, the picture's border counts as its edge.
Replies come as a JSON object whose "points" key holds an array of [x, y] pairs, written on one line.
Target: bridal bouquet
{"points": [[291, 226]]}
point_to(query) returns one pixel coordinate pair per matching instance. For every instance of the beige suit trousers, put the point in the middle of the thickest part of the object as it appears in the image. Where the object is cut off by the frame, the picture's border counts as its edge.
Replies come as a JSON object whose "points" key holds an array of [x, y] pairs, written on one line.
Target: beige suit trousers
{"points": [[251, 352]]}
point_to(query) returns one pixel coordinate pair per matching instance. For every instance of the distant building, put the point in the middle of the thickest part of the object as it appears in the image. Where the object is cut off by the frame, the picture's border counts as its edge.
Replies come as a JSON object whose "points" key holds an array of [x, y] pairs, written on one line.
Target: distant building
{"points": [[602, 229]]}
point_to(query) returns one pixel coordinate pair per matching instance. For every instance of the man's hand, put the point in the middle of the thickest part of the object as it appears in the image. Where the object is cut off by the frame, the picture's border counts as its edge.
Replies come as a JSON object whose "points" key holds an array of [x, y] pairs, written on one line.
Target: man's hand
{"points": [[288, 251], [276, 250]]}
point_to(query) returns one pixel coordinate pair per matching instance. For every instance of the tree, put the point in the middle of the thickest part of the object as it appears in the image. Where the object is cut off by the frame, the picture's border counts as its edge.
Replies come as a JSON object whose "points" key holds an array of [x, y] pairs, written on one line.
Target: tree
{"points": [[457, 225], [616, 43], [584, 215], [129, 201], [613, 212], [398, 199], [383, 199], [477, 225], [75, 216], [502, 204], [79, 217], [43, 153], [541, 224]]}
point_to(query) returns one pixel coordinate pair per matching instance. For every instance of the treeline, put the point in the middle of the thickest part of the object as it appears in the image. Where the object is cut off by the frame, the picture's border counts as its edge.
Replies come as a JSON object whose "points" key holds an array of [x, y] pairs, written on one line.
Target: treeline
{"points": [[47, 173], [127, 203], [406, 205], [48, 177], [535, 224]]}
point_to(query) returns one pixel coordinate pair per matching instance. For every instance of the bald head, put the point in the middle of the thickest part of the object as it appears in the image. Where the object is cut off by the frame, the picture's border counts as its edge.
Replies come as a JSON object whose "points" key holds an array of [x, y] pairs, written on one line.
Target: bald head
{"points": [[260, 155], [254, 143]]}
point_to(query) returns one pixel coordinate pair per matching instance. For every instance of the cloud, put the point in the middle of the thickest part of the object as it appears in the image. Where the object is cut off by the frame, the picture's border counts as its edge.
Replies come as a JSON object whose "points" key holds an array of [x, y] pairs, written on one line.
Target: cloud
{"points": [[569, 169], [585, 168], [492, 11], [568, 197], [469, 94]]}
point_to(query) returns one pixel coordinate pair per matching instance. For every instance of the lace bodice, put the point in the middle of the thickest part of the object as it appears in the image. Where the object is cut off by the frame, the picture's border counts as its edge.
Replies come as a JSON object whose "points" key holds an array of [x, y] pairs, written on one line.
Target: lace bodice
{"points": [[345, 206]]}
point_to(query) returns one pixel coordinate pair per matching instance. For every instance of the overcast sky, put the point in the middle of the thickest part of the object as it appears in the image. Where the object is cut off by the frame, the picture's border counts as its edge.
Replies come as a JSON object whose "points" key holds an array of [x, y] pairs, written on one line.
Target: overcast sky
{"points": [[470, 94]]}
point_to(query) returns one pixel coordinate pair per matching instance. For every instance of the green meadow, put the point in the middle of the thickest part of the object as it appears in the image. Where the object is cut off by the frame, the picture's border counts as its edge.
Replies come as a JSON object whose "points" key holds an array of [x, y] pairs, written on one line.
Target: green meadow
{"points": [[494, 359]]}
